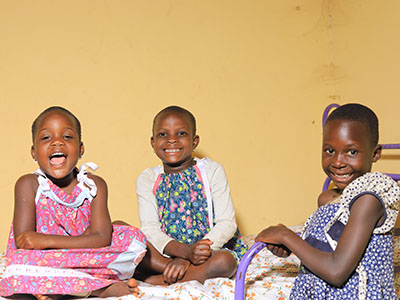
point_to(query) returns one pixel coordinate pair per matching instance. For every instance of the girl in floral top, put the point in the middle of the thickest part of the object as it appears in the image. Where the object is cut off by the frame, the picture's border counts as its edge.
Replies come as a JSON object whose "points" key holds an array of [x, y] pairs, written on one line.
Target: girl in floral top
{"points": [[62, 241], [185, 206]]}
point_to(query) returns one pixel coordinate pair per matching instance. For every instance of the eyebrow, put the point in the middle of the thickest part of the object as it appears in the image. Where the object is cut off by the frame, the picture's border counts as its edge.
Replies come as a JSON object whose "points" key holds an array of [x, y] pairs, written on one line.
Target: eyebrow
{"points": [[180, 128], [49, 128]]}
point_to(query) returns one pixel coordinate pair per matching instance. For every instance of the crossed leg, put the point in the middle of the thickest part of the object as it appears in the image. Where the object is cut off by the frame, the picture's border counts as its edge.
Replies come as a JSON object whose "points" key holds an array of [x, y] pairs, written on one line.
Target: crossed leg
{"points": [[220, 264]]}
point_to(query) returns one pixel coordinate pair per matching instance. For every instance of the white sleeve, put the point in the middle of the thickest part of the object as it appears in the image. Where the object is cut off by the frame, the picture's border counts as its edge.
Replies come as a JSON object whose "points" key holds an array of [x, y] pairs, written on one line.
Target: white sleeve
{"points": [[224, 213], [148, 211]]}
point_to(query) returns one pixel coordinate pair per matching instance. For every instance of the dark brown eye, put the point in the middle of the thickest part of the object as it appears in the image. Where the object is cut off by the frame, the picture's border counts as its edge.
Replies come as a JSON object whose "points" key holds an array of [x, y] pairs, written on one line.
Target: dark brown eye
{"points": [[353, 152], [182, 133]]}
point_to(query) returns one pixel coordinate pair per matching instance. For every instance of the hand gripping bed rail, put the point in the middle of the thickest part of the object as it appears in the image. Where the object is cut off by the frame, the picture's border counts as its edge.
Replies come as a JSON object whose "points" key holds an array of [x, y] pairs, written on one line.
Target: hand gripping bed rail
{"points": [[258, 246], [242, 268]]}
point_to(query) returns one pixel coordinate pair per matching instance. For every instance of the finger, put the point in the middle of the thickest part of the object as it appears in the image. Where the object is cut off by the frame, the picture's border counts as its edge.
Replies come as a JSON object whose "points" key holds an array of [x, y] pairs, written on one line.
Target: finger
{"points": [[206, 241], [166, 274], [202, 246], [181, 273], [259, 238], [202, 252], [203, 257], [173, 273]]}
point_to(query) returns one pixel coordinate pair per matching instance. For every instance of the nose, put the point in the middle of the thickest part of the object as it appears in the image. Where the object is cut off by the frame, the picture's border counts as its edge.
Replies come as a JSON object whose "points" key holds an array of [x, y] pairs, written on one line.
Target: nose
{"points": [[338, 161], [172, 140], [57, 141]]}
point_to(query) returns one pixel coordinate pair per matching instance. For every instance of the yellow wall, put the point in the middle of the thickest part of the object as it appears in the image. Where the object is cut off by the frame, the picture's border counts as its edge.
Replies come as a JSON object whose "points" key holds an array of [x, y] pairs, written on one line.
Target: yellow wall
{"points": [[256, 74]]}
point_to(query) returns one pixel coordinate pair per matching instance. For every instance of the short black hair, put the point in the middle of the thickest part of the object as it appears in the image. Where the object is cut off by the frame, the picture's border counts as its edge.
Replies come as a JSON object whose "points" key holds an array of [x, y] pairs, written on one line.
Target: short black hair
{"points": [[51, 109], [358, 113], [179, 110]]}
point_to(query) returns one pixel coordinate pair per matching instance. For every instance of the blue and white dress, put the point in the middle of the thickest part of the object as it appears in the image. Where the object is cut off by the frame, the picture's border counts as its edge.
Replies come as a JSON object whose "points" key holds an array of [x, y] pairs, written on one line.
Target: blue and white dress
{"points": [[373, 277]]}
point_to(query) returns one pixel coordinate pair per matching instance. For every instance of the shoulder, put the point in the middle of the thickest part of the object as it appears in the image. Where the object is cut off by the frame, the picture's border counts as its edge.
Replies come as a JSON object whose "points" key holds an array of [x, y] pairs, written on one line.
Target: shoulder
{"points": [[149, 174], [327, 196], [27, 181], [210, 166], [376, 183], [26, 186], [99, 181], [381, 187]]}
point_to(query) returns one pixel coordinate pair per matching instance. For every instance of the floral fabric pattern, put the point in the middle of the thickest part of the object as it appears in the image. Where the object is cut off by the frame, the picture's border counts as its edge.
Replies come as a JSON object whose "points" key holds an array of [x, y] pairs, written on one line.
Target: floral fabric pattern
{"points": [[69, 271], [183, 209]]}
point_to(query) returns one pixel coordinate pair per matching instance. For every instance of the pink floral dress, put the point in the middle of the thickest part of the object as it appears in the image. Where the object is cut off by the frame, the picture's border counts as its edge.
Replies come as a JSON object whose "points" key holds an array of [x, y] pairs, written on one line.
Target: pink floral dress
{"points": [[70, 271]]}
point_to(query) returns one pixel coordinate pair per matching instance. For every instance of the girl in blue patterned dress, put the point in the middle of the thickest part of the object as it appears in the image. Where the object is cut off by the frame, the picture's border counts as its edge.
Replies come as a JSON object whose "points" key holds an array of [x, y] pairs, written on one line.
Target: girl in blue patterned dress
{"points": [[346, 247], [185, 206]]}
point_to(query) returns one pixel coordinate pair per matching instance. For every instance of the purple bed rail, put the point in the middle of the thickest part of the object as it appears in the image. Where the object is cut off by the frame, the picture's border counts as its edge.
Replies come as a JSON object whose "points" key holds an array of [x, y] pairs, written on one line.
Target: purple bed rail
{"points": [[242, 268], [240, 288]]}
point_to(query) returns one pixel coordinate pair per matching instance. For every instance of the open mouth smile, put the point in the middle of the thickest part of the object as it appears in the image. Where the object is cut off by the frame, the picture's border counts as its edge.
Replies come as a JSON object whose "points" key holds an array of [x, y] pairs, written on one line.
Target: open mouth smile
{"points": [[57, 158], [172, 150], [341, 177]]}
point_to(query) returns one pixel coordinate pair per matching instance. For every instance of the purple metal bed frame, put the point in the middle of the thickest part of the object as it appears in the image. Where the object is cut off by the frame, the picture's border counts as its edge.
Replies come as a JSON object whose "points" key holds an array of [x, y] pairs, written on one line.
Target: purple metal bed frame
{"points": [[258, 246]]}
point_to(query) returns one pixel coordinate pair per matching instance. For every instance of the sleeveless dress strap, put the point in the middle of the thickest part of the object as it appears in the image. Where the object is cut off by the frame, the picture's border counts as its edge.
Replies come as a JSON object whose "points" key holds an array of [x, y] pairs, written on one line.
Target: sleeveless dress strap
{"points": [[87, 186]]}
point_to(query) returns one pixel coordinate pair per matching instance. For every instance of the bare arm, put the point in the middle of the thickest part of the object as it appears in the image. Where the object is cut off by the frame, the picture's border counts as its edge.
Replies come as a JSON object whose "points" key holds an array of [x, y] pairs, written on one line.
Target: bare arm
{"points": [[334, 267], [98, 234], [24, 205]]}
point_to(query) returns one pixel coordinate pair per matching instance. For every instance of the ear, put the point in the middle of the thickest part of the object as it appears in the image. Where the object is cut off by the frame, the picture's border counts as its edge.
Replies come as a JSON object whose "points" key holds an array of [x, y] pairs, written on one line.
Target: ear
{"points": [[196, 141], [152, 142], [33, 153], [81, 150], [377, 153]]}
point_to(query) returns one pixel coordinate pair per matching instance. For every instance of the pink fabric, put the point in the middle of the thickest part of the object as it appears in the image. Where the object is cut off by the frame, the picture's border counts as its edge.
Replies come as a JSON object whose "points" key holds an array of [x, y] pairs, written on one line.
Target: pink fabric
{"points": [[67, 271]]}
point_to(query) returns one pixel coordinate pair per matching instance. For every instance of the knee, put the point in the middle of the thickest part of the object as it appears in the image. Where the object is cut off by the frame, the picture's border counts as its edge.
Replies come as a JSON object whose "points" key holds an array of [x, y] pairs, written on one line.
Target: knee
{"points": [[222, 264], [120, 222]]}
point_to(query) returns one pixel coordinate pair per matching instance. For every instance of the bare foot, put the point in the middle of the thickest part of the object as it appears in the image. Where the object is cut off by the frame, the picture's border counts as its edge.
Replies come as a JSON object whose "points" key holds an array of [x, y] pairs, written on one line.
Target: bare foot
{"points": [[117, 289]]}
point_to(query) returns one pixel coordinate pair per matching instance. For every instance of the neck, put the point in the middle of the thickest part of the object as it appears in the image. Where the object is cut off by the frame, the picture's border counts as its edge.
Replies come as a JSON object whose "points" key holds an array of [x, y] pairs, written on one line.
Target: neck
{"points": [[170, 168], [65, 181]]}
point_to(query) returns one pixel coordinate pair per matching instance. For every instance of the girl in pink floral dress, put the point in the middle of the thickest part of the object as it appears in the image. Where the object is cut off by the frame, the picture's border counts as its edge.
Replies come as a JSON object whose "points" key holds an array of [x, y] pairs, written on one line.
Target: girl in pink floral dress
{"points": [[62, 241]]}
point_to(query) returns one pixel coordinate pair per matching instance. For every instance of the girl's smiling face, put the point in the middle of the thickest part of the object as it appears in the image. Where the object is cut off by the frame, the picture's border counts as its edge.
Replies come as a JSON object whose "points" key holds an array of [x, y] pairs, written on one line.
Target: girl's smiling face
{"points": [[173, 141], [347, 152], [56, 146]]}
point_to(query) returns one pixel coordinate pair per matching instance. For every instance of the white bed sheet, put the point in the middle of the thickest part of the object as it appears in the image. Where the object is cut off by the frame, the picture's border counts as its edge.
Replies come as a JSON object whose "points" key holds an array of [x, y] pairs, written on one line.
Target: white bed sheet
{"points": [[268, 277]]}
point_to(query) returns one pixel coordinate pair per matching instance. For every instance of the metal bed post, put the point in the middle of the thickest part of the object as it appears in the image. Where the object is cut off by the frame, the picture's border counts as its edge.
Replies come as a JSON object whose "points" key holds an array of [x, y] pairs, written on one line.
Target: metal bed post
{"points": [[240, 288]]}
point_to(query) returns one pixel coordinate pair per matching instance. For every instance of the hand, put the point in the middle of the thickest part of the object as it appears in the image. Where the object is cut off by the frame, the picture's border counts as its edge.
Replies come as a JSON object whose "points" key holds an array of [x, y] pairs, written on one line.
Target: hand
{"points": [[200, 251], [279, 250], [30, 240], [273, 236], [175, 270]]}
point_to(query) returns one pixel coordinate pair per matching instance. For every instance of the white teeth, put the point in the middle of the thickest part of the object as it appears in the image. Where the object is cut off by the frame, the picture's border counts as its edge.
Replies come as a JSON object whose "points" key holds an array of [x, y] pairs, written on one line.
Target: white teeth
{"points": [[57, 154], [344, 176], [172, 150]]}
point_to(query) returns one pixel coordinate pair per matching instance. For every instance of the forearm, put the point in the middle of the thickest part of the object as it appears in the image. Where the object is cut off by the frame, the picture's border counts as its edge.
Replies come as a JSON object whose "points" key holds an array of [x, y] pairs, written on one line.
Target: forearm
{"points": [[176, 249], [47, 241], [221, 233], [325, 265]]}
